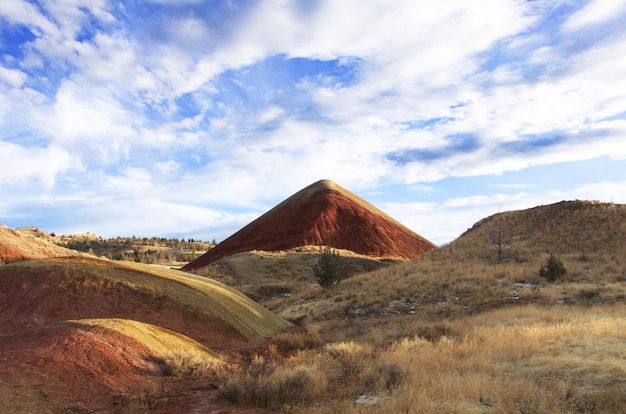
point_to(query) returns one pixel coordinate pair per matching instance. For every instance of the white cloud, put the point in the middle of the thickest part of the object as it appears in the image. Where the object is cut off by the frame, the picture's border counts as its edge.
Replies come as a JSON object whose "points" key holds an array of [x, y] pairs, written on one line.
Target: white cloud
{"points": [[20, 165], [146, 113], [13, 77], [23, 12], [270, 114], [88, 120], [595, 12]]}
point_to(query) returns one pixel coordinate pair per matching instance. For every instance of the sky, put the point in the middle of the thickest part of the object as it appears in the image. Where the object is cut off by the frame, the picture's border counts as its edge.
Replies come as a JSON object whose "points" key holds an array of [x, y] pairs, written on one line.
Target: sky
{"points": [[191, 118]]}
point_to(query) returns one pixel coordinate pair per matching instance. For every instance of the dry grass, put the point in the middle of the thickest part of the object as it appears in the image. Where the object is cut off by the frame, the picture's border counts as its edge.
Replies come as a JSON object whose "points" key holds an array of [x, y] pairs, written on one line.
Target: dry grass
{"points": [[463, 277], [455, 331], [527, 359], [283, 281]]}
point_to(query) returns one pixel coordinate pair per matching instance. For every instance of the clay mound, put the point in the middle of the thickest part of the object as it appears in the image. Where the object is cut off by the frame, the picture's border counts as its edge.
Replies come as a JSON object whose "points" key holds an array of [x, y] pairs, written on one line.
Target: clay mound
{"points": [[84, 364], [29, 243], [323, 209], [39, 292], [64, 364]]}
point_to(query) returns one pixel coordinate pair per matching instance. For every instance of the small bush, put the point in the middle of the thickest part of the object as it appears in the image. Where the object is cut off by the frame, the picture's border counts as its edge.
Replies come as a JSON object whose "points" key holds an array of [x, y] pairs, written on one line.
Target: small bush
{"points": [[326, 270], [182, 364], [270, 388], [291, 342], [392, 375], [553, 270]]}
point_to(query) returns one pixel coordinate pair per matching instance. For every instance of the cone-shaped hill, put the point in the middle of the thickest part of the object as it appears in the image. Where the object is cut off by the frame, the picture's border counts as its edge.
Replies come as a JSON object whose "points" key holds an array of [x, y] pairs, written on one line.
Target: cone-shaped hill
{"points": [[323, 209]]}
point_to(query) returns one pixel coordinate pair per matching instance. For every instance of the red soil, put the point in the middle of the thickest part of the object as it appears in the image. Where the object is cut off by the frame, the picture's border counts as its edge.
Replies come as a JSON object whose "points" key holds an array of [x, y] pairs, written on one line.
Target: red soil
{"points": [[71, 366], [49, 365], [32, 296], [323, 209]]}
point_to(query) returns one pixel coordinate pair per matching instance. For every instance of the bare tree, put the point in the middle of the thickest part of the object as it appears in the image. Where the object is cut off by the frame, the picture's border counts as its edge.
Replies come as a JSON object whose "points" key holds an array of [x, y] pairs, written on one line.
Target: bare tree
{"points": [[500, 238]]}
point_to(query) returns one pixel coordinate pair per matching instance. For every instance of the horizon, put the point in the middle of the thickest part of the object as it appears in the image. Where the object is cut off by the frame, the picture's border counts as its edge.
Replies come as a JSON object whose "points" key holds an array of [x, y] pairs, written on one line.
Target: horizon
{"points": [[190, 119]]}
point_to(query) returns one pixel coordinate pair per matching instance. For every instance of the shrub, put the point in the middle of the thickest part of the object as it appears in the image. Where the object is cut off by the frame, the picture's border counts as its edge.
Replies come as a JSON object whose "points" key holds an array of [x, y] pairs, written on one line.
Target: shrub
{"points": [[326, 270], [264, 385], [293, 341], [553, 270], [186, 364]]}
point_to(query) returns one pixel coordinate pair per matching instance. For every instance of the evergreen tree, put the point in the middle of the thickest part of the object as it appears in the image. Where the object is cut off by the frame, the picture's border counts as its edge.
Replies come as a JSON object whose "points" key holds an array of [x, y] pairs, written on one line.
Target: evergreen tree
{"points": [[553, 270]]}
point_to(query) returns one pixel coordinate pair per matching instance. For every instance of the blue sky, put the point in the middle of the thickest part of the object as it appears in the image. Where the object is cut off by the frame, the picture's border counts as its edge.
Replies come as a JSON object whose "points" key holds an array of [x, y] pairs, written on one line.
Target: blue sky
{"points": [[190, 118]]}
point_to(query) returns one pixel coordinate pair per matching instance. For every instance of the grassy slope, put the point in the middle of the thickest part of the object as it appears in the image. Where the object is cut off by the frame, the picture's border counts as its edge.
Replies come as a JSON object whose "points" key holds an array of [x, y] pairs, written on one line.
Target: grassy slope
{"points": [[463, 277], [281, 281], [455, 331]]}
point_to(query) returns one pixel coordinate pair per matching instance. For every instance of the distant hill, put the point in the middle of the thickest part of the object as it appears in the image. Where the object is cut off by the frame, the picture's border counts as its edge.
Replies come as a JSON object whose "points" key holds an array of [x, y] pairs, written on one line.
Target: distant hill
{"points": [[320, 211], [580, 228], [29, 243], [153, 250]]}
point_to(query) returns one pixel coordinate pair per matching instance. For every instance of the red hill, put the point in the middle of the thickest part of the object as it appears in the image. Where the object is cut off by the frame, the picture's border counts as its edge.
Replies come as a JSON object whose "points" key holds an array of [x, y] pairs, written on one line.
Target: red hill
{"points": [[315, 212]]}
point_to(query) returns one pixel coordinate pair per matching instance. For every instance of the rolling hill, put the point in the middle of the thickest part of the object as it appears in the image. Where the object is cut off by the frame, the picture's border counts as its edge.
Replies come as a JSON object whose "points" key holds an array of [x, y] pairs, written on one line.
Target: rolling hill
{"points": [[83, 330], [493, 264], [29, 243], [320, 211]]}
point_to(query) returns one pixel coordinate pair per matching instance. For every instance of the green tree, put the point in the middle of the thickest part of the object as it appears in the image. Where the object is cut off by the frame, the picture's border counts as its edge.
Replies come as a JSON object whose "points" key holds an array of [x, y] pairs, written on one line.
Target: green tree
{"points": [[553, 270], [327, 268]]}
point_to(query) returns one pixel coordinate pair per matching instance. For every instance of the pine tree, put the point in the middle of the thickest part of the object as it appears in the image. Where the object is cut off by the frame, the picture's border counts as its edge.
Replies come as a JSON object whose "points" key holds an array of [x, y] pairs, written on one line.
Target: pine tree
{"points": [[553, 270]]}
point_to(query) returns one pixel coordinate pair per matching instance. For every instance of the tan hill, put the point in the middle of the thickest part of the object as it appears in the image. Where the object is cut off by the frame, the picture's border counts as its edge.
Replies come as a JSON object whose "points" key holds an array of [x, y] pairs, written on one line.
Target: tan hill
{"points": [[576, 228], [495, 263], [29, 243], [82, 332], [319, 211]]}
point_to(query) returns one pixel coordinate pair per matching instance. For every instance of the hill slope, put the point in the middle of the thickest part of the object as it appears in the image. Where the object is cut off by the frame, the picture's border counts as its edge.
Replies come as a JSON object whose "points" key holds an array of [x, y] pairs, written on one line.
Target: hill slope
{"points": [[84, 364], [568, 227], [83, 332], [29, 243], [39, 292], [323, 209], [466, 276]]}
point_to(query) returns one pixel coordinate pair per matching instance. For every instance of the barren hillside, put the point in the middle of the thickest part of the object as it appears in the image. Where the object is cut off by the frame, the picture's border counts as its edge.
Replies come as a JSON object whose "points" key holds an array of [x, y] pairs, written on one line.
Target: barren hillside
{"points": [[85, 331], [320, 211]]}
